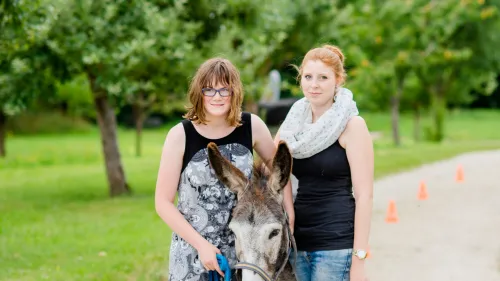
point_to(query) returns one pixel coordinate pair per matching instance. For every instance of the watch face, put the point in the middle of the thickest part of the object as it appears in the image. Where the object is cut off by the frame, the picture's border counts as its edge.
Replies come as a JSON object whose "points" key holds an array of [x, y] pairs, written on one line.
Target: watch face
{"points": [[361, 254]]}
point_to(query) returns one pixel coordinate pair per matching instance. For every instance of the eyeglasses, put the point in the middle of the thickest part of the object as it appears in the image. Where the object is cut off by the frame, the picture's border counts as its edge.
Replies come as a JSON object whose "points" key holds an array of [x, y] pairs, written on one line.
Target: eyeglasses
{"points": [[210, 92]]}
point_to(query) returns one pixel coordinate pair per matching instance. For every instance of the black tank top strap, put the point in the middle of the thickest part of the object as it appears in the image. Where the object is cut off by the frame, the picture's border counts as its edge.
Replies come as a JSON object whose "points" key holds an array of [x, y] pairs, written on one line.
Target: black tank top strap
{"points": [[246, 130], [188, 127], [191, 136]]}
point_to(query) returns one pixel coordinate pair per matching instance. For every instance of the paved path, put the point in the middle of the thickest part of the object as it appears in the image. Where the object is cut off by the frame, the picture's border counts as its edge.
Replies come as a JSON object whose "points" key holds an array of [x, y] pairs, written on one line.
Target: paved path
{"points": [[453, 235]]}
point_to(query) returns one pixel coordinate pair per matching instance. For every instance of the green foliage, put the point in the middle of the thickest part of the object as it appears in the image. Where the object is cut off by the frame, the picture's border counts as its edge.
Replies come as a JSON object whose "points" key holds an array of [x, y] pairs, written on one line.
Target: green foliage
{"points": [[74, 98], [144, 52], [247, 35], [308, 24], [122, 46], [448, 64], [156, 64], [23, 56], [444, 48]]}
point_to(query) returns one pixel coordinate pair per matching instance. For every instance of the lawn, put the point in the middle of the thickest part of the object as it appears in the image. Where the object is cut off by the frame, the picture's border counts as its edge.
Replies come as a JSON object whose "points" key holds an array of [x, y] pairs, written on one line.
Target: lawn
{"points": [[57, 222]]}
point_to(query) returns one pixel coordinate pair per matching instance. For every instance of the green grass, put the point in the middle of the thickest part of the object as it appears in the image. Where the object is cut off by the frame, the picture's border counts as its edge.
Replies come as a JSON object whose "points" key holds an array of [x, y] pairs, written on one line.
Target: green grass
{"points": [[48, 122], [465, 131], [57, 222]]}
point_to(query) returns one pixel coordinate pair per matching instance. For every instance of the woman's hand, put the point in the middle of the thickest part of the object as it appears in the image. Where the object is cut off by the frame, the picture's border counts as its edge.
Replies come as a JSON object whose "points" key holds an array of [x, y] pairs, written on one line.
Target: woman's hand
{"points": [[208, 257]]}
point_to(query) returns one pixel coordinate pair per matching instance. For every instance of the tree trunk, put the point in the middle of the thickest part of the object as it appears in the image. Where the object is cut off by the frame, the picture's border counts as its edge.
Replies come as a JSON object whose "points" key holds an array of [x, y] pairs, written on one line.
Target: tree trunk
{"points": [[416, 122], [139, 115], [395, 111], [251, 106], [440, 112], [107, 125], [3, 133], [395, 120], [438, 103]]}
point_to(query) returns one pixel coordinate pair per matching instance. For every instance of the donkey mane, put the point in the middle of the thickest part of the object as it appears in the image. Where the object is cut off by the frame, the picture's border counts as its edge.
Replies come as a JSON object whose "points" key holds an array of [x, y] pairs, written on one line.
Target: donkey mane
{"points": [[259, 178], [258, 197]]}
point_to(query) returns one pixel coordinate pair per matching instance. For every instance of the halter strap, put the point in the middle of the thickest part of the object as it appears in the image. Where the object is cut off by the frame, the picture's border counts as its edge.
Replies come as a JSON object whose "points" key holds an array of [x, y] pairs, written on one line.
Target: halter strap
{"points": [[254, 268]]}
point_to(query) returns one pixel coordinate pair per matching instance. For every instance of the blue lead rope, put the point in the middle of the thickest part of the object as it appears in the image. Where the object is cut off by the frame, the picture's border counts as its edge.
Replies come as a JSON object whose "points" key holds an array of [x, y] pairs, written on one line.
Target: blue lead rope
{"points": [[213, 275]]}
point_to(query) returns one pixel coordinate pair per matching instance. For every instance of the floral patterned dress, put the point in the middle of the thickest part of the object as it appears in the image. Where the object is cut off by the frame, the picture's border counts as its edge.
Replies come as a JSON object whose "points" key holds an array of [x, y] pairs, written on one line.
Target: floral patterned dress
{"points": [[204, 201]]}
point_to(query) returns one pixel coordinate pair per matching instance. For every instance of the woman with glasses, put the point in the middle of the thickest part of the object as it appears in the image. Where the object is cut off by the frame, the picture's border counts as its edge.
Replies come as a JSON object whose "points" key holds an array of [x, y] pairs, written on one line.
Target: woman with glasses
{"points": [[200, 220]]}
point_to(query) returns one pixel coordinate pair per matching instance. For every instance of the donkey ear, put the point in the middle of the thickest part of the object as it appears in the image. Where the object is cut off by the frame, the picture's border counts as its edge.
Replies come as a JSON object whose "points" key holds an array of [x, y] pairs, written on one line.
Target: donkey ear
{"points": [[282, 167], [226, 172]]}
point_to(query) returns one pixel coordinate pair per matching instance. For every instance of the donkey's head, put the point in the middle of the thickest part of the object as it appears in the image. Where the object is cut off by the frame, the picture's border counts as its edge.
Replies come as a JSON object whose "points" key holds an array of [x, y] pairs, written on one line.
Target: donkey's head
{"points": [[258, 220]]}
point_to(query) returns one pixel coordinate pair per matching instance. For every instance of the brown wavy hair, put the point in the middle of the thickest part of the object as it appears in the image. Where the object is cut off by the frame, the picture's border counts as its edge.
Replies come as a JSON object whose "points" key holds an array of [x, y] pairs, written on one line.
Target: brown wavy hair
{"points": [[210, 73]]}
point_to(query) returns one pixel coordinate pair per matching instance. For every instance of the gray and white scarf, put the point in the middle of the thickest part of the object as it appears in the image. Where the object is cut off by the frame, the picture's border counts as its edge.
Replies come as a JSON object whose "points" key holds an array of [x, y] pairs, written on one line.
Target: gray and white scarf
{"points": [[305, 138]]}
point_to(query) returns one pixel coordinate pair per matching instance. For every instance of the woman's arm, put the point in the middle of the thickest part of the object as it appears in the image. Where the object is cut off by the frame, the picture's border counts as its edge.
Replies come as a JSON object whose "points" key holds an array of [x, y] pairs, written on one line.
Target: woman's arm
{"points": [[266, 148], [359, 148], [166, 188], [262, 141], [288, 193]]}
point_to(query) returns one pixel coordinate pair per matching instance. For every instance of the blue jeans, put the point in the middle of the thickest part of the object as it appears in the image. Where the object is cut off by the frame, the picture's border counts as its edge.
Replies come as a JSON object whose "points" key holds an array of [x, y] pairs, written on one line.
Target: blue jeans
{"points": [[322, 265]]}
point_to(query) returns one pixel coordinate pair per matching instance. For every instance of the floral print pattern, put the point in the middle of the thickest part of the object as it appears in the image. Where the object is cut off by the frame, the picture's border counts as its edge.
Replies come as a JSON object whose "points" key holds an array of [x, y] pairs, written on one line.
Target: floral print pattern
{"points": [[206, 204]]}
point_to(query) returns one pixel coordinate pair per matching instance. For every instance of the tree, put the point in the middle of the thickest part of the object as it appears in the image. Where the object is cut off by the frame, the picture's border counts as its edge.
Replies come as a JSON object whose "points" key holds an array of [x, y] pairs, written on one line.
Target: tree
{"points": [[454, 55], [313, 23], [9, 102], [23, 57], [248, 33], [155, 68], [448, 46], [94, 38], [380, 36]]}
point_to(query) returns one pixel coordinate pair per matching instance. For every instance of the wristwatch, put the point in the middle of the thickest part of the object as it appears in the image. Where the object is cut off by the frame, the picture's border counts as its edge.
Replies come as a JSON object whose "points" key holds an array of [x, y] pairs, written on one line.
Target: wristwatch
{"points": [[361, 254]]}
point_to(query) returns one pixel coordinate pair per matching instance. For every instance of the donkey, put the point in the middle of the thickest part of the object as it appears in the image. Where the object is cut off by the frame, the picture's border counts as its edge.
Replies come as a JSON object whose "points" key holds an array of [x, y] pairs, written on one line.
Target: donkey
{"points": [[259, 222]]}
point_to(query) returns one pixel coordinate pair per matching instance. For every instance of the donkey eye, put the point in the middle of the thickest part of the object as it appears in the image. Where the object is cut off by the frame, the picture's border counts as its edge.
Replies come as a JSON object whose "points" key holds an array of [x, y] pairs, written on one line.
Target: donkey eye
{"points": [[274, 233]]}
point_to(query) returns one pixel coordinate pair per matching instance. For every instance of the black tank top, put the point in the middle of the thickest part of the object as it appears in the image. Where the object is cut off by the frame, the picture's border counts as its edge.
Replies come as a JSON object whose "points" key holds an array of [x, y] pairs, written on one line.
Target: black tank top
{"points": [[195, 142], [324, 206]]}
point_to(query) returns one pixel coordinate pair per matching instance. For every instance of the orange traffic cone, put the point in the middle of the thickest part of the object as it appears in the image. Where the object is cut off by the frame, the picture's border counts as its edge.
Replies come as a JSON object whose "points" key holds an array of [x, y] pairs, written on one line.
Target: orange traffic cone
{"points": [[422, 191], [460, 174], [392, 215]]}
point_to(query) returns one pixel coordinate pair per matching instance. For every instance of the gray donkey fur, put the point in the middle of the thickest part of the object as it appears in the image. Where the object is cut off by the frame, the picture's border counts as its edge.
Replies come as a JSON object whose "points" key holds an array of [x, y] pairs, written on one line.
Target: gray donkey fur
{"points": [[258, 220]]}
